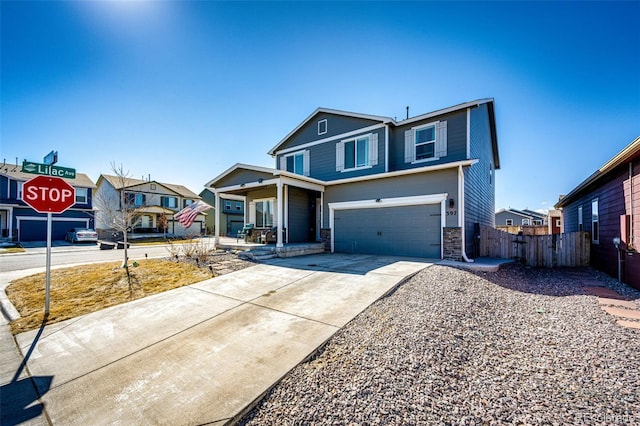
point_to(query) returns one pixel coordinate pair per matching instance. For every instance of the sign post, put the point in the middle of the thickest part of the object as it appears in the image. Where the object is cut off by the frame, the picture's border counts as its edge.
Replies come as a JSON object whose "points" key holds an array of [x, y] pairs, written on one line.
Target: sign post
{"points": [[46, 194]]}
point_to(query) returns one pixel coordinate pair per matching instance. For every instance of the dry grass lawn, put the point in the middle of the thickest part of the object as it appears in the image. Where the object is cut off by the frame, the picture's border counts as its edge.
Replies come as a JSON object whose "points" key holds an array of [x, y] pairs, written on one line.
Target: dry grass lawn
{"points": [[84, 289]]}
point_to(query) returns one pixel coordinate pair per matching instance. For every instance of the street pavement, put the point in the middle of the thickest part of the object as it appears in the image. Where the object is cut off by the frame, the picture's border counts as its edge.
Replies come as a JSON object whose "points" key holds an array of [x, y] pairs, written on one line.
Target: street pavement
{"points": [[200, 354]]}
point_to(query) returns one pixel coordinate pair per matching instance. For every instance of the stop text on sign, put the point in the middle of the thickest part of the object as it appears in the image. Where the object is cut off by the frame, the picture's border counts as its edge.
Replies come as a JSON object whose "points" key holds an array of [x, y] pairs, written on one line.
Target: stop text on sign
{"points": [[52, 194]]}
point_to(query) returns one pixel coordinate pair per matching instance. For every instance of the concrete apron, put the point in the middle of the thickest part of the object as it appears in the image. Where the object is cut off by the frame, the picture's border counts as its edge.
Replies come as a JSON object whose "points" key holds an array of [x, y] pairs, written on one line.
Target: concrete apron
{"points": [[203, 353]]}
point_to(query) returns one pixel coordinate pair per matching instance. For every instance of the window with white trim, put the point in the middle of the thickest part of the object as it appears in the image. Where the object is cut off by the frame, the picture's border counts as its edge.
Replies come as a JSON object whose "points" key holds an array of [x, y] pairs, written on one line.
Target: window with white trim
{"points": [[357, 153], [238, 205], [19, 190], [135, 199], [264, 213], [595, 222], [296, 162], [537, 222], [322, 127], [227, 205], [526, 222], [426, 142], [580, 225], [170, 202], [81, 195], [509, 222]]}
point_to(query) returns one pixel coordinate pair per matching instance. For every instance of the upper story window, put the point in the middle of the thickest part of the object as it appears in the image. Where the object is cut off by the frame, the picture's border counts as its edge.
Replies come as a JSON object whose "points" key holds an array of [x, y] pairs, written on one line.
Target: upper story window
{"points": [[82, 195], [595, 222], [297, 162], [509, 222], [537, 222], [19, 190], [357, 153], [526, 222], [188, 202], [322, 127], [135, 199], [170, 202], [227, 205], [238, 205], [426, 142]]}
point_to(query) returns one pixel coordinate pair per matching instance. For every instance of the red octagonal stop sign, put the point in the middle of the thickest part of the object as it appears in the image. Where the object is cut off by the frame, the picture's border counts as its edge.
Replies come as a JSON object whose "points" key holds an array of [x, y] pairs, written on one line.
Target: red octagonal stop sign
{"points": [[47, 194]]}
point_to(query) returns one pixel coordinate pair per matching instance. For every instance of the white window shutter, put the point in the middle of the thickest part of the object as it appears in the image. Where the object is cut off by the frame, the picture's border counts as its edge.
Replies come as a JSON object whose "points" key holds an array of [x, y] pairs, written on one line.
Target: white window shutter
{"points": [[373, 150], [409, 147], [441, 139], [283, 163], [305, 160], [339, 156]]}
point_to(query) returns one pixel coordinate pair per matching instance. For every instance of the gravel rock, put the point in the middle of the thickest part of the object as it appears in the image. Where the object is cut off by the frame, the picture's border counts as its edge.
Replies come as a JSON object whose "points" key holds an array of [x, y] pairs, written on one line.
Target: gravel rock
{"points": [[519, 346]]}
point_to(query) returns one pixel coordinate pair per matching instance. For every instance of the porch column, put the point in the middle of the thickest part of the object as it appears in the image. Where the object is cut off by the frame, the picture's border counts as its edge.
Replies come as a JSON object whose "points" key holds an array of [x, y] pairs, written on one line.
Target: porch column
{"points": [[279, 198], [216, 238]]}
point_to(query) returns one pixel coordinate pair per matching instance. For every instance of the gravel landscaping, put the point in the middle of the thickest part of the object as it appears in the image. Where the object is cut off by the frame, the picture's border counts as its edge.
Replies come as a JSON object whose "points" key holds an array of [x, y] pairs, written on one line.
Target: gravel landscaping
{"points": [[519, 346]]}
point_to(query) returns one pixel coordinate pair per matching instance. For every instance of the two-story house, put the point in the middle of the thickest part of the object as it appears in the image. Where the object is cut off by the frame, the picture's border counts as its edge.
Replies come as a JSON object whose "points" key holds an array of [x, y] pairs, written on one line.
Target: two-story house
{"points": [[231, 214], [20, 222], [370, 184], [154, 204]]}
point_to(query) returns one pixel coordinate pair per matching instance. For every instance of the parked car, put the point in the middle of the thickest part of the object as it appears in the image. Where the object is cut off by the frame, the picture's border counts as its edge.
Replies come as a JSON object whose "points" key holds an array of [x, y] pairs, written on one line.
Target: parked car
{"points": [[77, 235]]}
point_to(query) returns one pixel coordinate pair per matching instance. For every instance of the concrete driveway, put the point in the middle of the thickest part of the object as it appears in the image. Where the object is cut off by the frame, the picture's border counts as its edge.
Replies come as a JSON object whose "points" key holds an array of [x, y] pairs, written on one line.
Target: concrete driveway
{"points": [[200, 354]]}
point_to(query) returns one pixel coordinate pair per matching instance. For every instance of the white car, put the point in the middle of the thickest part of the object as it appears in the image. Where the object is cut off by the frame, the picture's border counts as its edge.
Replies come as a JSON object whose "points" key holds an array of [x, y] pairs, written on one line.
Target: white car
{"points": [[81, 235]]}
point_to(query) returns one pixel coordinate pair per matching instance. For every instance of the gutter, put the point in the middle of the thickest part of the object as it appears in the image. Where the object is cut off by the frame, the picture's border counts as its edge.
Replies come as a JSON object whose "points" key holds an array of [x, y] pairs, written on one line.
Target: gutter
{"points": [[461, 212]]}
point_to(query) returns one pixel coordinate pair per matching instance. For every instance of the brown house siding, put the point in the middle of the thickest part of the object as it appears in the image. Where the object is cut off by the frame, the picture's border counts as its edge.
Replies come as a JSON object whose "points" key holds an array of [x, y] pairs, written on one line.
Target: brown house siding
{"points": [[614, 197]]}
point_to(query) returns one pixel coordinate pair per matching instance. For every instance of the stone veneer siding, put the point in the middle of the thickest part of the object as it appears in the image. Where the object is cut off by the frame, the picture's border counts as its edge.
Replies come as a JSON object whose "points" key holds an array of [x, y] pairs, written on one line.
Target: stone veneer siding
{"points": [[452, 243], [325, 237]]}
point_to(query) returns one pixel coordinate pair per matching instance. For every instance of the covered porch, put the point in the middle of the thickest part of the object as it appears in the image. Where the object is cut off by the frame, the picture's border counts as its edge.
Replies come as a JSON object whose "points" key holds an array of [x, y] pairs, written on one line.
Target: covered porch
{"points": [[286, 205]]}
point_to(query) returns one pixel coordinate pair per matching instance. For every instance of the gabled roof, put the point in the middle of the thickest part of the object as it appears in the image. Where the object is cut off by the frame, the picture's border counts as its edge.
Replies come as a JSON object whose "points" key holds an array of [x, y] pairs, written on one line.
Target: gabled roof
{"points": [[329, 111], [118, 183], [267, 170], [529, 214], [392, 122], [630, 151], [15, 172]]}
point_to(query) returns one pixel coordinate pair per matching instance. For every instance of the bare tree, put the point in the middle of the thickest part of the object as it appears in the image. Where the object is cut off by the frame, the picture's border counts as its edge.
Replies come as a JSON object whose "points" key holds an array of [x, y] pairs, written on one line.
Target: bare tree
{"points": [[119, 210]]}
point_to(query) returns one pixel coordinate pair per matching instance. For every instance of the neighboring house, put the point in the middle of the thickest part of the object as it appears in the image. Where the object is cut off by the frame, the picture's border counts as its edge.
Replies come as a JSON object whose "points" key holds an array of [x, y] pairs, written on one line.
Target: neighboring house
{"points": [[154, 202], [370, 184], [514, 217], [20, 222], [554, 221], [607, 205], [231, 216]]}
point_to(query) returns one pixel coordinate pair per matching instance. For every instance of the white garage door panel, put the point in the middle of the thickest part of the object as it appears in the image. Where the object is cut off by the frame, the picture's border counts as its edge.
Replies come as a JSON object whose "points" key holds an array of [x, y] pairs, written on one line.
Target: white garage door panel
{"points": [[402, 231]]}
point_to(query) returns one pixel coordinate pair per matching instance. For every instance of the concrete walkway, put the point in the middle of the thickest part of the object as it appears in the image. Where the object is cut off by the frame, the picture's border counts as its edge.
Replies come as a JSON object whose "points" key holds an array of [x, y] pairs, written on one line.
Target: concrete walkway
{"points": [[200, 354]]}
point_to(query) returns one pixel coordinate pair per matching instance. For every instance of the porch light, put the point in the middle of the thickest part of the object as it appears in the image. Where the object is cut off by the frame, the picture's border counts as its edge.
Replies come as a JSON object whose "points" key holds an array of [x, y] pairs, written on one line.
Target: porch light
{"points": [[378, 200], [451, 203], [259, 180]]}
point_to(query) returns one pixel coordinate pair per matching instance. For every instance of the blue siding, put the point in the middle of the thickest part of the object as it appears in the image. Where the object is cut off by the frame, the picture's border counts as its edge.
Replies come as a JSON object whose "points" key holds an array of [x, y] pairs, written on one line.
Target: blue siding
{"points": [[322, 161], [456, 141], [336, 125], [479, 178]]}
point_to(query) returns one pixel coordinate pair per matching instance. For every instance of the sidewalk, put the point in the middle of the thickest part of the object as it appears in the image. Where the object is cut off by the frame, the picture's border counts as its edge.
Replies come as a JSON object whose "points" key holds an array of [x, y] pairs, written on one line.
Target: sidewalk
{"points": [[211, 349]]}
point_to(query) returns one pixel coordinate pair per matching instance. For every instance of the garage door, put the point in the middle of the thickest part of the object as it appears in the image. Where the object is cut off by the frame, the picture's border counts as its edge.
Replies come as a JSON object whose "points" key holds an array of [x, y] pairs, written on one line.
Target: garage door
{"points": [[400, 231], [36, 230]]}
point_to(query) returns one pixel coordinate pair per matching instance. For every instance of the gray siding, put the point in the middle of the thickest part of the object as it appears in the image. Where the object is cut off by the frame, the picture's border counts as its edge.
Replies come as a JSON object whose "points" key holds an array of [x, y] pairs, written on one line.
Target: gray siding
{"points": [[501, 218], [336, 125], [322, 160], [479, 179], [241, 176], [300, 215], [456, 141], [437, 182]]}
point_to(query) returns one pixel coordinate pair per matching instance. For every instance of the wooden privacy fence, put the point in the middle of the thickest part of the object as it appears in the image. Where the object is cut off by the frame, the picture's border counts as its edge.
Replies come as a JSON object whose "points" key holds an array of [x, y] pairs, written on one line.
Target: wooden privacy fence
{"points": [[547, 251]]}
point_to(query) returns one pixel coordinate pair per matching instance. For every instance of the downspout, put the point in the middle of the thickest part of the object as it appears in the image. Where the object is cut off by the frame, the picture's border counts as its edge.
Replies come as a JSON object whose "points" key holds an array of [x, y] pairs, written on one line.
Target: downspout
{"points": [[386, 148], [461, 213]]}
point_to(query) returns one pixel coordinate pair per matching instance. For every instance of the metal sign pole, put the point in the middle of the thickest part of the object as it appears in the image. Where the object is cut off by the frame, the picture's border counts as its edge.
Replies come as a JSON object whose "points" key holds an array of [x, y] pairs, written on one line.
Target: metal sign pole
{"points": [[48, 273]]}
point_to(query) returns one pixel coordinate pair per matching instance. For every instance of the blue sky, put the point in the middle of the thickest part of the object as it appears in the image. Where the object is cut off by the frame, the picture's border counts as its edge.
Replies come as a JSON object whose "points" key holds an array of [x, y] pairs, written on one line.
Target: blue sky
{"points": [[182, 90]]}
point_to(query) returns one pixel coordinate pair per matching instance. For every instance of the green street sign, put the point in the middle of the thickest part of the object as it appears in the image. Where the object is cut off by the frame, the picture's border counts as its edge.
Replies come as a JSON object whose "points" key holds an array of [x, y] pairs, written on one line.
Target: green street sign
{"points": [[45, 169]]}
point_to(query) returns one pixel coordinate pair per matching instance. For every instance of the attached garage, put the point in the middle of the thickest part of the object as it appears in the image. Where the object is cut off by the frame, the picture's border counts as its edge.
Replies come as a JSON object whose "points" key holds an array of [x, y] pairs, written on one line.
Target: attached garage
{"points": [[35, 228], [409, 226]]}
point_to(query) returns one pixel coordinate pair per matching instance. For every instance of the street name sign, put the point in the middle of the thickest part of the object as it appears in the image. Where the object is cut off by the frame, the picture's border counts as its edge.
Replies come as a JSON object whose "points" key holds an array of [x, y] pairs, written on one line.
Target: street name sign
{"points": [[48, 170], [46, 194]]}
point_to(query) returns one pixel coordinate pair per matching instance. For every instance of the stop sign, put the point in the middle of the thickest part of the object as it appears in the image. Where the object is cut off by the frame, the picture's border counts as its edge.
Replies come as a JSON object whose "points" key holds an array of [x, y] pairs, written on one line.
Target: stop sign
{"points": [[47, 194]]}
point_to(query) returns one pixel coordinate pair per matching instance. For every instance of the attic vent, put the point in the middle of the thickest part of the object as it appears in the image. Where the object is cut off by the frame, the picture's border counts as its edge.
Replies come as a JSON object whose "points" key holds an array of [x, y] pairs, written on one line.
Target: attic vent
{"points": [[322, 127]]}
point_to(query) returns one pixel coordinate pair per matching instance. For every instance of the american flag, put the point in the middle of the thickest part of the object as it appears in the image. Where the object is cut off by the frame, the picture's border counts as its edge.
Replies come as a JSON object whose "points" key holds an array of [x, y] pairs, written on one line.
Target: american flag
{"points": [[187, 215]]}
